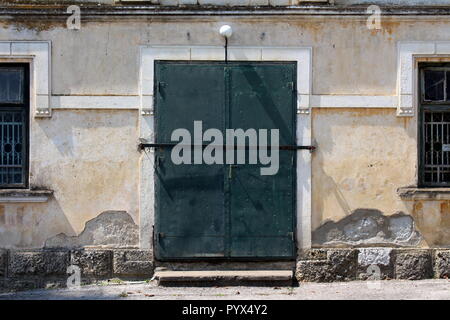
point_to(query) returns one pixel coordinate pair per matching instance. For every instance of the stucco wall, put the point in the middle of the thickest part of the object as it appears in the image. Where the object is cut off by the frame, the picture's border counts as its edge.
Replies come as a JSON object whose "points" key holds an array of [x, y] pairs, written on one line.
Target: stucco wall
{"points": [[364, 156], [90, 160], [89, 157], [348, 58]]}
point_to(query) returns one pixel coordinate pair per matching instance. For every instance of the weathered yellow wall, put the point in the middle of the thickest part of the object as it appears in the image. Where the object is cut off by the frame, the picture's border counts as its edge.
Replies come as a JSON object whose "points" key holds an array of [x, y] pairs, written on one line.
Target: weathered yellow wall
{"points": [[433, 221], [363, 156], [348, 58], [89, 158]]}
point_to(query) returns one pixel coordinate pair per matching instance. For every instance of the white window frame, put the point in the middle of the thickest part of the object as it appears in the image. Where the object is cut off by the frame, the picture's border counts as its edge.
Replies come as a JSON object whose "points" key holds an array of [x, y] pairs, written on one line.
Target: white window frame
{"points": [[37, 54], [410, 53]]}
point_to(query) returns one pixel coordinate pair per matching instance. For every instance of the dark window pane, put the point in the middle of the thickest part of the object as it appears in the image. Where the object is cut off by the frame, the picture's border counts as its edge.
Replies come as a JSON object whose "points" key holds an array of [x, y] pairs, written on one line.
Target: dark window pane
{"points": [[434, 85], [11, 85]]}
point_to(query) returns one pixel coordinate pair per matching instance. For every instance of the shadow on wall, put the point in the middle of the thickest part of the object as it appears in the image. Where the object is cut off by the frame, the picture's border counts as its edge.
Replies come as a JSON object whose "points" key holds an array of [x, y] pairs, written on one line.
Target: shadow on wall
{"points": [[354, 158], [110, 228], [368, 226], [90, 160], [67, 131], [354, 175]]}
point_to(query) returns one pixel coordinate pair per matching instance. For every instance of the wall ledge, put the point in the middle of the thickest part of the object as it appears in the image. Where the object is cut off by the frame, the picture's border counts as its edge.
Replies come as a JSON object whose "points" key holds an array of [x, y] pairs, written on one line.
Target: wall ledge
{"points": [[415, 193], [24, 195], [58, 10]]}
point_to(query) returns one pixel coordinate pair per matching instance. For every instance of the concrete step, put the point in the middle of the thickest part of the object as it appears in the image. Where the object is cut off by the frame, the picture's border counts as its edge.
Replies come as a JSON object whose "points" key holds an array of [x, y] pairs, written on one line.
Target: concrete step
{"points": [[225, 277], [225, 265]]}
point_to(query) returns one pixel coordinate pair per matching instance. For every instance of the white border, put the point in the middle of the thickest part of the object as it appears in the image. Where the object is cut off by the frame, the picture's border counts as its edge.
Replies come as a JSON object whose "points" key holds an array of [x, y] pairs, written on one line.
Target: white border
{"points": [[409, 54], [303, 57], [23, 199], [39, 54], [134, 102]]}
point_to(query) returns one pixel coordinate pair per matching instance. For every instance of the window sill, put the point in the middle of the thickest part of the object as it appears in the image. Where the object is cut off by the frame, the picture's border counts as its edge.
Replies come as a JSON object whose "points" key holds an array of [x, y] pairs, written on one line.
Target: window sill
{"points": [[414, 193], [24, 195]]}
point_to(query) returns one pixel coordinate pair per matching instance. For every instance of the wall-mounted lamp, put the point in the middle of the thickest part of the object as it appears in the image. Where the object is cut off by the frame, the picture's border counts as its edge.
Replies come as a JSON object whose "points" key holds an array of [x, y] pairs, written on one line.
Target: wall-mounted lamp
{"points": [[226, 31]]}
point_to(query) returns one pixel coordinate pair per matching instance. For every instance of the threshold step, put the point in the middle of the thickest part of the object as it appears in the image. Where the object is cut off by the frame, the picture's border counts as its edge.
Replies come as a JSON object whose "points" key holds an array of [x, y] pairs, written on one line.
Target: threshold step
{"points": [[224, 277]]}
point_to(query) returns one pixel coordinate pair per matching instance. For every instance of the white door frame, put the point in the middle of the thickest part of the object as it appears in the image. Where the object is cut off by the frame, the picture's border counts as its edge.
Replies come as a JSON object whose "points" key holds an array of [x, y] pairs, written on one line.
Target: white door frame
{"points": [[303, 57]]}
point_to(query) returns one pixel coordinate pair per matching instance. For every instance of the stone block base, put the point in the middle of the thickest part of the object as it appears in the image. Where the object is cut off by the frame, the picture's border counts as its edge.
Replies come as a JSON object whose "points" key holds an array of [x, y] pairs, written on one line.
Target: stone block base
{"points": [[328, 265], [52, 268], [55, 268]]}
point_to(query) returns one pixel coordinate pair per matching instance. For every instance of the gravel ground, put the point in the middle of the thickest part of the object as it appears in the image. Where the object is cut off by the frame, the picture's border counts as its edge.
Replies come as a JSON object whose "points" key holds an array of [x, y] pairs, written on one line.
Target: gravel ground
{"points": [[394, 289]]}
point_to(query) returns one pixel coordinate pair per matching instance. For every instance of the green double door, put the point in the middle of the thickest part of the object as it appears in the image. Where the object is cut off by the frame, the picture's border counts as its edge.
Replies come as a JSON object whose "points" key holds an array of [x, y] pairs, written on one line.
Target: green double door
{"points": [[226, 211]]}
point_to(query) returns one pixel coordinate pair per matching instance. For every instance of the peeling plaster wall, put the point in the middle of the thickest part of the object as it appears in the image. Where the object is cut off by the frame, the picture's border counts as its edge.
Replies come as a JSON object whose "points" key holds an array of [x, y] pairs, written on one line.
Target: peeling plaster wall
{"points": [[110, 229], [363, 157], [89, 157], [90, 160]]}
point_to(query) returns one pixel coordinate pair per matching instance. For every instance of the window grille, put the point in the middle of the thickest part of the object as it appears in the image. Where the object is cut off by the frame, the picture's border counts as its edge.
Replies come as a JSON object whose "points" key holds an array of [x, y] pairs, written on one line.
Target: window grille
{"points": [[434, 120], [13, 126]]}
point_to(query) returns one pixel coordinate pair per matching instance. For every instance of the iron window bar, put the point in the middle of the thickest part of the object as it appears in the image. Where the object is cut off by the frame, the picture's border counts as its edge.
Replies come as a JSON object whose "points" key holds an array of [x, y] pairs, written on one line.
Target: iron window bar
{"points": [[169, 145], [14, 104], [434, 125]]}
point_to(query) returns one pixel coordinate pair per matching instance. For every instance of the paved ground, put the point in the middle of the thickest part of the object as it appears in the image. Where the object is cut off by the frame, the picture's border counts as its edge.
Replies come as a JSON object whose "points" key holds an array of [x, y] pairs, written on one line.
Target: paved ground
{"points": [[425, 289]]}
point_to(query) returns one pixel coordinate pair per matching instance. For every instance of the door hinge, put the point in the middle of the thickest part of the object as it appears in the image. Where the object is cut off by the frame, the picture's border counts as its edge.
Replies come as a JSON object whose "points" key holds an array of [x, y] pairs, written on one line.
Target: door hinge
{"points": [[291, 85], [291, 234], [160, 85], [158, 160]]}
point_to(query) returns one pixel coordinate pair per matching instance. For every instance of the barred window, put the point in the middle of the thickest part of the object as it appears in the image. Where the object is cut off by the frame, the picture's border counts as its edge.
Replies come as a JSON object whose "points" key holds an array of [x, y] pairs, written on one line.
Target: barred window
{"points": [[434, 125], [14, 107]]}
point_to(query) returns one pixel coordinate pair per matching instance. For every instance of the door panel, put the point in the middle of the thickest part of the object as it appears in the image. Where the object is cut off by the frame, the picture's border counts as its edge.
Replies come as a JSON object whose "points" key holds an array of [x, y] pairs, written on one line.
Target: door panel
{"points": [[261, 213], [189, 198]]}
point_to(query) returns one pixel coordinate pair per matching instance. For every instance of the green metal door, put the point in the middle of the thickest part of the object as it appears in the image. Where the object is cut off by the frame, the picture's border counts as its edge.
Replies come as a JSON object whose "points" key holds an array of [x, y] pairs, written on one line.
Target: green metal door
{"points": [[221, 210]]}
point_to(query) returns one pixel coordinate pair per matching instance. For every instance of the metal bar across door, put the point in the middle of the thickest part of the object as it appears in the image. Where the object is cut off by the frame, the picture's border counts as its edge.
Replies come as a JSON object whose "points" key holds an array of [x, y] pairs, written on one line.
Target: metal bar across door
{"points": [[169, 145]]}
